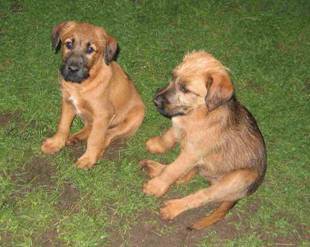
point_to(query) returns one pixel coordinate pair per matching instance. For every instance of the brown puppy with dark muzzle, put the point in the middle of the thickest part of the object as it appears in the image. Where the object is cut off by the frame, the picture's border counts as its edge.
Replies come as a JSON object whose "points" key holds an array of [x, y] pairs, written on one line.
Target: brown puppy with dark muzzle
{"points": [[218, 137], [94, 87]]}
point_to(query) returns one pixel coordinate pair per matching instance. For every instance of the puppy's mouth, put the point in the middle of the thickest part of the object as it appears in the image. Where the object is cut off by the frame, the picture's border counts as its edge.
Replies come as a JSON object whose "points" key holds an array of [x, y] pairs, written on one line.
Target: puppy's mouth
{"points": [[172, 113], [73, 73]]}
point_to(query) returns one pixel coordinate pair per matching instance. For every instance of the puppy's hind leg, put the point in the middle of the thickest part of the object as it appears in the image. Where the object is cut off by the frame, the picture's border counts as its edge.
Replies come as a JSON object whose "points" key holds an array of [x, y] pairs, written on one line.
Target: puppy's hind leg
{"points": [[227, 190], [126, 128]]}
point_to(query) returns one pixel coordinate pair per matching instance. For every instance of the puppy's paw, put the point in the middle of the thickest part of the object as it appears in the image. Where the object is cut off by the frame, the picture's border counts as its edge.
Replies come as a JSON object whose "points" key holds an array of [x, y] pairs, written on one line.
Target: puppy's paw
{"points": [[52, 145], [155, 187], [152, 168], [155, 145], [172, 209], [86, 162]]}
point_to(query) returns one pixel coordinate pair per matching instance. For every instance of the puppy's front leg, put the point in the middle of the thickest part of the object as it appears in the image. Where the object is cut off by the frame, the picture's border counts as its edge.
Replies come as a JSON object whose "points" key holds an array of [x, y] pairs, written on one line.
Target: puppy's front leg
{"points": [[55, 143], [161, 144], [181, 166], [95, 143]]}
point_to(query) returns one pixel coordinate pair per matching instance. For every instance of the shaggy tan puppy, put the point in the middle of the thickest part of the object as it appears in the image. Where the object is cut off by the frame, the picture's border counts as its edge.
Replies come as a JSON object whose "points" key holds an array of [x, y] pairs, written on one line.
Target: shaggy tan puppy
{"points": [[217, 135]]}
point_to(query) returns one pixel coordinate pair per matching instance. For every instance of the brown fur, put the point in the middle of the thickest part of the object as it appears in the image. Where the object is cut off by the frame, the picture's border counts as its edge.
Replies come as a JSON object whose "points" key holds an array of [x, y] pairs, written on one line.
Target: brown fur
{"points": [[107, 100], [217, 135]]}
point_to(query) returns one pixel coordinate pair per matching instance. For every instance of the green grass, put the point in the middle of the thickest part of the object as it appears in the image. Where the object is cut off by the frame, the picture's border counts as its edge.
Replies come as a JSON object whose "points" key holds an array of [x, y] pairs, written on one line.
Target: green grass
{"points": [[264, 43]]}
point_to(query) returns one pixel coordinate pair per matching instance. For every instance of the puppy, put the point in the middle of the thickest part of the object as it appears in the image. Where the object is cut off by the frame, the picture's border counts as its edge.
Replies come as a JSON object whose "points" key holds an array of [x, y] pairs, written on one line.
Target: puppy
{"points": [[218, 137], [95, 88]]}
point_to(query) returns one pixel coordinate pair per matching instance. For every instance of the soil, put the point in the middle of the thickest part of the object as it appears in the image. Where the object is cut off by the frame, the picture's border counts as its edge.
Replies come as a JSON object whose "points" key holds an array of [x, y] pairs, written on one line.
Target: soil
{"points": [[49, 239], [16, 7], [69, 199], [40, 173], [37, 172], [149, 230], [7, 117]]}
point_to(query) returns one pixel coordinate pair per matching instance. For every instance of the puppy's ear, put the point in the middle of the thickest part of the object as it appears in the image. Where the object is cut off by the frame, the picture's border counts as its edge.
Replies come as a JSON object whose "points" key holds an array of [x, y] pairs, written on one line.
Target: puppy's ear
{"points": [[111, 50], [56, 42], [220, 90]]}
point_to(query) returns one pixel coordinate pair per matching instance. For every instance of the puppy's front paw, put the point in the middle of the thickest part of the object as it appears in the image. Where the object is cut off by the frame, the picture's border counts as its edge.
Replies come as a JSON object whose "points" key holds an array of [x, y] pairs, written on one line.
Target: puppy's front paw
{"points": [[152, 168], [52, 145], [155, 187], [172, 209], [155, 145], [85, 162]]}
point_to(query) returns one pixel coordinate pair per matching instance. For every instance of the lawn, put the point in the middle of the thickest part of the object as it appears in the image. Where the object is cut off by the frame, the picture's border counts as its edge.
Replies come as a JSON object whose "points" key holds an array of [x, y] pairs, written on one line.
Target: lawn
{"points": [[46, 201]]}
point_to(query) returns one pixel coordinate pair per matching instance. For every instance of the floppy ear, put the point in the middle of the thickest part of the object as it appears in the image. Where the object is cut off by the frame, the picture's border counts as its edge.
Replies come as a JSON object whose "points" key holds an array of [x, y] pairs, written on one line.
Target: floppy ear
{"points": [[110, 50], [55, 36], [220, 90]]}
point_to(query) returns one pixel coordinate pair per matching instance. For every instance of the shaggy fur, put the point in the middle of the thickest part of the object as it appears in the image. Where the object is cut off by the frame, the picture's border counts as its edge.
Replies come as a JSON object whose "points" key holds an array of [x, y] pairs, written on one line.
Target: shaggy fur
{"points": [[218, 137]]}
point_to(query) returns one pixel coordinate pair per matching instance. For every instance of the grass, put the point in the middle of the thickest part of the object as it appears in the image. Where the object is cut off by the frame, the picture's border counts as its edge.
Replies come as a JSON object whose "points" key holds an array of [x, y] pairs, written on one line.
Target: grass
{"points": [[264, 43]]}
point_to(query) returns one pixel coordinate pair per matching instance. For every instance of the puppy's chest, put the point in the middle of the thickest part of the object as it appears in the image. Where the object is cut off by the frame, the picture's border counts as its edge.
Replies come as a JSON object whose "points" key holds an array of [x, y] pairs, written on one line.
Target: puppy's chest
{"points": [[76, 103], [189, 135], [80, 106]]}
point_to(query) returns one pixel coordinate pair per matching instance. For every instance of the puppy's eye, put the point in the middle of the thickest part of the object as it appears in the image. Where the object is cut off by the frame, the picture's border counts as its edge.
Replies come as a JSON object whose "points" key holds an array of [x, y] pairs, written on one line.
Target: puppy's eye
{"points": [[90, 50], [69, 45], [183, 89]]}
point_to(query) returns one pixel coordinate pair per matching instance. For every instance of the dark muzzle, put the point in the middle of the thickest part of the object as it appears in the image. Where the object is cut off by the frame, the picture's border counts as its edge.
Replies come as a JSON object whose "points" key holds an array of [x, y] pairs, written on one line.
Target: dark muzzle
{"points": [[74, 69]]}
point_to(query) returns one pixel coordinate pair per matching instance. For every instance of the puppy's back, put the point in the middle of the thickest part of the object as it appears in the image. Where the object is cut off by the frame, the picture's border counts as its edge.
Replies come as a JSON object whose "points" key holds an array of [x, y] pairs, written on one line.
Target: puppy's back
{"points": [[243, 144]]}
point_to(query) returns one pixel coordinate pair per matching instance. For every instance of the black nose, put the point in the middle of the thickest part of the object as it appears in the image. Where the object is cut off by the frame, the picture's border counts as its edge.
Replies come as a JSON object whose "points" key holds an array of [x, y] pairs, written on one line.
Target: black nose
{"points": [[159, 101], [73, 68]]}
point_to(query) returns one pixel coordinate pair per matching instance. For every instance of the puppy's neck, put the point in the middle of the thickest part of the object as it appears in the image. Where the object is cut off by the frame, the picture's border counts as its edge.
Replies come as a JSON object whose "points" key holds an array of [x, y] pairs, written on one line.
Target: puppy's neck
{"points": [[194, 117]]}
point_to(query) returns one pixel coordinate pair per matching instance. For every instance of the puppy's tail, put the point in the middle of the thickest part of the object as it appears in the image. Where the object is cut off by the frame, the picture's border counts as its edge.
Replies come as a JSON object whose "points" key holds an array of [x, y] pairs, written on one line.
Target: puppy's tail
{"points": [[216, 215]]}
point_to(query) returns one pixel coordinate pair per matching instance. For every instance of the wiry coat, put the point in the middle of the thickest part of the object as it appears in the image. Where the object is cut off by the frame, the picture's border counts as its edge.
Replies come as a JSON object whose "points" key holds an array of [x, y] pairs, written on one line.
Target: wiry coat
{"points": [[218, 136]]}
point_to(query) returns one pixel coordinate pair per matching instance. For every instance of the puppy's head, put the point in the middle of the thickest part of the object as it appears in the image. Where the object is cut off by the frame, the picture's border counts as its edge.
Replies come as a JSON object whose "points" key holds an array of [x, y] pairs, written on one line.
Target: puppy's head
{"points": [[199, 80], [83, 46]]}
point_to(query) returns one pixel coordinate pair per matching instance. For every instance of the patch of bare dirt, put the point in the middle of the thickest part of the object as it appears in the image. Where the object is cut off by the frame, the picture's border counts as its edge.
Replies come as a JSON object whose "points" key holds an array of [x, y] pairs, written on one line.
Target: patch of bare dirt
{"points": [[114, 150], [69, 198], [77, 150], [68, 202], [36, 173], [16, 7], [49, 238], [112, 153], [7, 117], [151, 231], [5, 239], [15, 125]]}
